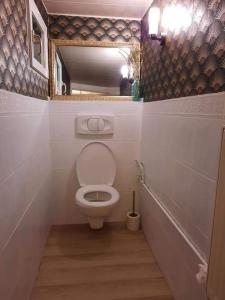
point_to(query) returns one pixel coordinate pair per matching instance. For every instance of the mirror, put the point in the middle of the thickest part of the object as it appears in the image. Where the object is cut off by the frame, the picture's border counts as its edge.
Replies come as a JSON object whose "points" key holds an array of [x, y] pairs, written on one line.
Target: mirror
{"points": [[93, 71]]}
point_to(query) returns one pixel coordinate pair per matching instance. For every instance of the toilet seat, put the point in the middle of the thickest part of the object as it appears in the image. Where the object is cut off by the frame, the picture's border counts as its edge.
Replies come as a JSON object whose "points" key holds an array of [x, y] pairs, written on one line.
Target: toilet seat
{"points": [[96, 165], [96, 171], [80, 195]]}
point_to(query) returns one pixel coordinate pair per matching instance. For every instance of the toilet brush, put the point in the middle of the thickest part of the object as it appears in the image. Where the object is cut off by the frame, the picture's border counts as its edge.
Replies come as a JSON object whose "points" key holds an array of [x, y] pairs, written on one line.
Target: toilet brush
{"points": [[133, 217], [133, 214]]}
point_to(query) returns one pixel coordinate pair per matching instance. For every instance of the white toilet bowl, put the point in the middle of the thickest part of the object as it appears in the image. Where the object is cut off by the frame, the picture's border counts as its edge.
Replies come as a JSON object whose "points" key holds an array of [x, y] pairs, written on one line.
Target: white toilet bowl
{"points": [[96, 202], [96, 170]]}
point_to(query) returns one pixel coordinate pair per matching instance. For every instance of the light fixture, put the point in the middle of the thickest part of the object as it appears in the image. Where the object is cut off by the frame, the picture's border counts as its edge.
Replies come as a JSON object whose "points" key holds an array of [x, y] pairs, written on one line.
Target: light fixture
{"points": [[124, 71], [154, 18], [173, 18], [127, 72], [176, 17]]}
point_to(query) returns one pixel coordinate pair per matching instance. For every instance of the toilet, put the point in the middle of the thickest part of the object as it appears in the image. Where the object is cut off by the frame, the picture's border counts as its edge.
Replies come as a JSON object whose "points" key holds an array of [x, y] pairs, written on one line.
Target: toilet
{"points": [[96, 171]]}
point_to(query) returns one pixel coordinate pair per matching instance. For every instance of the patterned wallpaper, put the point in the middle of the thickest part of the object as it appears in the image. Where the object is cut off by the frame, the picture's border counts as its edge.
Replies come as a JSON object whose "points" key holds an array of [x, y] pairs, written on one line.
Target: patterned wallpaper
{"points": [[193, 61], [97, 29], [15, 73]]}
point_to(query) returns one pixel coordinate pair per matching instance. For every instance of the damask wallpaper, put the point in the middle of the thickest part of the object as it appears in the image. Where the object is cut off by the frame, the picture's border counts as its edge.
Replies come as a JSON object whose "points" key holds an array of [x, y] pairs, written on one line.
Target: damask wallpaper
{"points": [[97, 29], [15, 73], [193, 61]]}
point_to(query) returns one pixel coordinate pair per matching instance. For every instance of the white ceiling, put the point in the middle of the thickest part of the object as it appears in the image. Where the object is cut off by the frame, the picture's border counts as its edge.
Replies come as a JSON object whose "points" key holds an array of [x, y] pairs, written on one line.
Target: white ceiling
{"points": [[93, 66], [131, 9]]}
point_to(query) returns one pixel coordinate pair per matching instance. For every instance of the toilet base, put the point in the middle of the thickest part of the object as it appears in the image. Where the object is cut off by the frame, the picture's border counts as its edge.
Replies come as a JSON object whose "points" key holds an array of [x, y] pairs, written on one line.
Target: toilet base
{"points": [[96, 223]]}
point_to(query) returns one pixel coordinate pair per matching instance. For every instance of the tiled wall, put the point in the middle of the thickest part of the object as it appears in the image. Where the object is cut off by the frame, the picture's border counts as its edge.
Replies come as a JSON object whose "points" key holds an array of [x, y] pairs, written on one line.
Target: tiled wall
{"points": [[66, 145], [16, 75], [192, 61], [25, 191], [180, 150], [94, 29], [176, 258]]}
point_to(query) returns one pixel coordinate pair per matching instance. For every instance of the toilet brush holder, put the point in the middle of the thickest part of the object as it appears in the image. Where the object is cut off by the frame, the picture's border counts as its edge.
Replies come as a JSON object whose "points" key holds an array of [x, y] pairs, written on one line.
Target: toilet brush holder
{"points": [[133, 221], [133, 218]]}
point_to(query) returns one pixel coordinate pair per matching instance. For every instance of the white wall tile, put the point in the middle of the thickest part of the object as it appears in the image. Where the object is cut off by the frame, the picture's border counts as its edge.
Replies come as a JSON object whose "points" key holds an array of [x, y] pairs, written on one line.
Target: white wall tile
{"points": [[64, 189], [206, 144], [180, 151], [62, 126], [21, 256], [117, 107], [176, 258], [25, 191]]}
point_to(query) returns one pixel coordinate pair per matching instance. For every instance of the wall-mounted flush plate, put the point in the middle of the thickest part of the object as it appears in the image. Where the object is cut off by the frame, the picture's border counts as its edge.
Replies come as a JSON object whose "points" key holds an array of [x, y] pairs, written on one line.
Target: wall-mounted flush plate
{"points": [[95, 124]]}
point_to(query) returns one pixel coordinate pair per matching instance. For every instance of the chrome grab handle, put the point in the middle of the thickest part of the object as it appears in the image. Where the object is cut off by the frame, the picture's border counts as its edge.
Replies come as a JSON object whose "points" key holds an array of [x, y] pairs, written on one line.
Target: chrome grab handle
{"points": [[142, 171]]}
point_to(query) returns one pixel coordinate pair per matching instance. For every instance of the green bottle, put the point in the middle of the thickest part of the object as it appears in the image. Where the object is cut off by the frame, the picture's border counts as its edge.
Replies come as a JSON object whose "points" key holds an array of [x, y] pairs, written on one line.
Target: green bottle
{"points": [[135, 90]]}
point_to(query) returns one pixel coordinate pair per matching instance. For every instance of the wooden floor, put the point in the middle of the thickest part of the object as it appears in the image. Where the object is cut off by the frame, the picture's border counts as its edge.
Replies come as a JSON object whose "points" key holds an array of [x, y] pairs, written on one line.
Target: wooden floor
{"points": [[110, 264]]}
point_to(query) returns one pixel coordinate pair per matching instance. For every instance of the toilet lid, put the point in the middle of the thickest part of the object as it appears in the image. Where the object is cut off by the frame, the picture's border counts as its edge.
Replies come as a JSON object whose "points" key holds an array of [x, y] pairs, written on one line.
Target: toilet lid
{"points": [[96, 165]]}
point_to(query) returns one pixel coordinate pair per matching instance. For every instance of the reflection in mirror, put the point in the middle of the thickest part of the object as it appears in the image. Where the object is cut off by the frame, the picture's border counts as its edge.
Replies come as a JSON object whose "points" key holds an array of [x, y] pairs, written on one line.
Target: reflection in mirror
{"points": [[38, 38], [37, 41], [103, 71]]}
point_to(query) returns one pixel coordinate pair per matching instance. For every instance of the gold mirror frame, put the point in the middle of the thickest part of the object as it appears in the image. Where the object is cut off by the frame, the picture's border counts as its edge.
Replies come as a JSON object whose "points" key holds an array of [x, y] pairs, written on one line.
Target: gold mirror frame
{"points": [[53, 43]]}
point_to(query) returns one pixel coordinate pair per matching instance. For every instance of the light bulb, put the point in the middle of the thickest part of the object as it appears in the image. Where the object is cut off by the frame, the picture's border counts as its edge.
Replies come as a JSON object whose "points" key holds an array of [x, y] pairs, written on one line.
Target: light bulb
{"points": [[154, 20], [176, 17], [124, 71]]}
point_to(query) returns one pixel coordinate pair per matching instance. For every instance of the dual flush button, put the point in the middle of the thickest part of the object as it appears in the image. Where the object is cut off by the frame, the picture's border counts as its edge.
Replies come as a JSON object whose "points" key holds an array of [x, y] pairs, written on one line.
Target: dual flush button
{"points": [[95, 124]]}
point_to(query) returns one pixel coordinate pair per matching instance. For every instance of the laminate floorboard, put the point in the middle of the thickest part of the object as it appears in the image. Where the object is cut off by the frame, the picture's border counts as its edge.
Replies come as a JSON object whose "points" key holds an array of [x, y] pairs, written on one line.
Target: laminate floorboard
{"points": [[108, 264]]}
